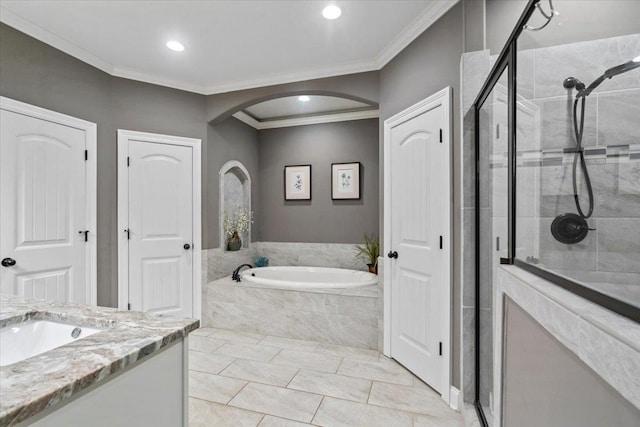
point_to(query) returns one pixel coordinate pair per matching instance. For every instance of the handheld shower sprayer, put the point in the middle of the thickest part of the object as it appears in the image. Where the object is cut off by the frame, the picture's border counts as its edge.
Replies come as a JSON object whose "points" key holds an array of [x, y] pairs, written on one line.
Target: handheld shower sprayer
{"points": [[572, 228]]}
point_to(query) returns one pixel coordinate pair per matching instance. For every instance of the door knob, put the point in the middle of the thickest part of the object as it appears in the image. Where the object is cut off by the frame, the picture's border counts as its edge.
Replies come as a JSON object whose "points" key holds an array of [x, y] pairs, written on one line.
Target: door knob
{"points": [[187, 246], [393, 254], [8, 262]]}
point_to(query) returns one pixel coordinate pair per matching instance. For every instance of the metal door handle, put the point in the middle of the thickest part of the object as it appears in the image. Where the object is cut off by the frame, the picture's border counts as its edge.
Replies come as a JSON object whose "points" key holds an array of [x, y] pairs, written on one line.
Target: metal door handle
{"points": [[8, 262], [187, 246], [393, 254]]}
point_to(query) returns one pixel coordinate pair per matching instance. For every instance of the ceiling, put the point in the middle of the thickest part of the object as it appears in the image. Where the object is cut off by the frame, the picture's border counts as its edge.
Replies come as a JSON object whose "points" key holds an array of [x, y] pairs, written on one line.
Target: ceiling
{"points": [[229, 45], [291, 106]]}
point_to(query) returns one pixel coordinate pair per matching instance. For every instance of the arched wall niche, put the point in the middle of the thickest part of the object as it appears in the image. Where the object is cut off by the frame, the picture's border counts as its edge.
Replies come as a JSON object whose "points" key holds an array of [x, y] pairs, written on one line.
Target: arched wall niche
{"points": [[235, 190]]}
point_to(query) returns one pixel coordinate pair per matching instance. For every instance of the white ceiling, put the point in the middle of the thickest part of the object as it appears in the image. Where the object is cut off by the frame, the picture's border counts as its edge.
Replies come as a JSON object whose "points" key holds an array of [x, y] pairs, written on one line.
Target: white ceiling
{"points": [[229, 45], [291, 106]]}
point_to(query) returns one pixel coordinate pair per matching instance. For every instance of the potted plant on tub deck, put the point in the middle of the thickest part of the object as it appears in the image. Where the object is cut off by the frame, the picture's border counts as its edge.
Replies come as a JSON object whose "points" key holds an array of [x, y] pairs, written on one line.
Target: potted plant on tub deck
{"points": [[369, 252]]}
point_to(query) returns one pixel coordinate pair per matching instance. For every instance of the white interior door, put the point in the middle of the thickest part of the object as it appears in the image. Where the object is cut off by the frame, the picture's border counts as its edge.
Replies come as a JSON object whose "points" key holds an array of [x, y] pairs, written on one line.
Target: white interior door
{"points": [[43, 208], [419, 234], [160, 228]]}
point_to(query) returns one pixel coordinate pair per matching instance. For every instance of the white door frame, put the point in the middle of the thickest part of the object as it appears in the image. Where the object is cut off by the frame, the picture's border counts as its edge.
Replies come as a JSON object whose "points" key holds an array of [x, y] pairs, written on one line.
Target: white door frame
{"points": [[443, 98], [124, 136], [91, 136]]}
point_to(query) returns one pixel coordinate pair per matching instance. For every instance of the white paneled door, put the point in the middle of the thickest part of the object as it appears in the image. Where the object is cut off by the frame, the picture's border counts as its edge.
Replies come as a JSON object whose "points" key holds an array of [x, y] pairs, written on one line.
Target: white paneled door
{"points": [[418, 245], [159, 231], [46, 226]]}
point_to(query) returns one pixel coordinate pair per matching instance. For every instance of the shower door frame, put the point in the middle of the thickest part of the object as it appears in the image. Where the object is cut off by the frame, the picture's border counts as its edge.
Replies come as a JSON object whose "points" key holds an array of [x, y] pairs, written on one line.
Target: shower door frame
{"points": [[508, 58]]}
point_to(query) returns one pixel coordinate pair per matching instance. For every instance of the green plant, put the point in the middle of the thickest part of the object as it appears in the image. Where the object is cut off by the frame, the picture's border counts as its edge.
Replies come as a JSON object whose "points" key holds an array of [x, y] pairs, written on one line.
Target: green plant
{"points": [[370, 251]]}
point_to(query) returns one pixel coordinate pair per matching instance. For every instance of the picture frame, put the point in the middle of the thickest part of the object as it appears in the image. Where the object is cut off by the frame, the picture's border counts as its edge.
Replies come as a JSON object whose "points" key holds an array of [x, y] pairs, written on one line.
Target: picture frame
{"points": [[297, 182], [345, 181]]}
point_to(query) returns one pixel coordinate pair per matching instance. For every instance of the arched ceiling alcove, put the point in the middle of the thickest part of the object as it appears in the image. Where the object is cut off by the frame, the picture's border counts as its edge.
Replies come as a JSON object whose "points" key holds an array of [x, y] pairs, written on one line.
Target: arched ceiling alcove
{"points": [[296, 110]]}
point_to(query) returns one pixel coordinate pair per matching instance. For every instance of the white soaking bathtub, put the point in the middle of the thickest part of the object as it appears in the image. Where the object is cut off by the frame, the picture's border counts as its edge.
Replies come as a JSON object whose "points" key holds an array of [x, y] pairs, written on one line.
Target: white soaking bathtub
{"points": [[307, 278]]}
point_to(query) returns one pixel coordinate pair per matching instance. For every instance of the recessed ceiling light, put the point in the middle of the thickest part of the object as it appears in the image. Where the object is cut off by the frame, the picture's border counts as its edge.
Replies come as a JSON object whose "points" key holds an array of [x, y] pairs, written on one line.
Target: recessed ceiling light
{"points": [[175, 45], [304, 98], [331, 12]]}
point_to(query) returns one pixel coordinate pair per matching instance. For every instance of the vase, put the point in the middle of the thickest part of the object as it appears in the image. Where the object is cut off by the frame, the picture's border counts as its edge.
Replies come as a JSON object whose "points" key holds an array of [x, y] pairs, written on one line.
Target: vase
{"points": [[373, 268], [234, 243]]}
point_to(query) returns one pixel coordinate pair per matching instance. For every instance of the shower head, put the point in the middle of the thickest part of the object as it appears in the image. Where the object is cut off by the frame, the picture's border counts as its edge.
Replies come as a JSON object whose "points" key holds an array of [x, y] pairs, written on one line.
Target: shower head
{"points": [[572, 82]]}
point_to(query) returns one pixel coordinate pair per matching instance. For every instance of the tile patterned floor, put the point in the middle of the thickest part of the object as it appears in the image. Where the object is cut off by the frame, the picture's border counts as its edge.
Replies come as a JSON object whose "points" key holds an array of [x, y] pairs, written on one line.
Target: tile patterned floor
{"points": [[246, 379]]}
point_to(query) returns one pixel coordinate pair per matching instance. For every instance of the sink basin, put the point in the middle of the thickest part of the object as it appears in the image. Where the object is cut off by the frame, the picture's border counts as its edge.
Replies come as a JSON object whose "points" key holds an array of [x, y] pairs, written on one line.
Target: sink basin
{"points": [[24, 340]]}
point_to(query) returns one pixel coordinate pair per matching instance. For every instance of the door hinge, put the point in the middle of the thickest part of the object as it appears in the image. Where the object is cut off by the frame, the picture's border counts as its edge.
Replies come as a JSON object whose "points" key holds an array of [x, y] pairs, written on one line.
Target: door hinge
{"points": [[440, 242], [497, 130], [128, 163], [498, 243], [86, 155], [440, 348], [440, 135], [129, 306]]}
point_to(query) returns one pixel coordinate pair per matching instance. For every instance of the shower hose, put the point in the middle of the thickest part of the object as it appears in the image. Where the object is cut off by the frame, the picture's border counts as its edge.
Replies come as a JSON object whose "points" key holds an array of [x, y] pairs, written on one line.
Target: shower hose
{"points": [[579, 157]]}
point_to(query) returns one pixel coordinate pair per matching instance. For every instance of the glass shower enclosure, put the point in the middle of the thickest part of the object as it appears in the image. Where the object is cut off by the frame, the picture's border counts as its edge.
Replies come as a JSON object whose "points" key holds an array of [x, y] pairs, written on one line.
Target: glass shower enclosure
{"points": [[557, 155]]}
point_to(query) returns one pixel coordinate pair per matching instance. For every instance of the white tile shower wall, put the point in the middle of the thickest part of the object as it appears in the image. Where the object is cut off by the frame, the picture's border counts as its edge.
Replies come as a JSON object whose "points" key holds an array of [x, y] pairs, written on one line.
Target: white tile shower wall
{"points": [[611, 253], [343, 317]]}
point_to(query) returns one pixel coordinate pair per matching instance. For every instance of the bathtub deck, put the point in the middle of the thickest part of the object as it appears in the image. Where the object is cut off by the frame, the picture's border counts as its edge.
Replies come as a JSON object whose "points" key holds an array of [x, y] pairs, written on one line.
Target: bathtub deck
{"points": [[248, 379]]}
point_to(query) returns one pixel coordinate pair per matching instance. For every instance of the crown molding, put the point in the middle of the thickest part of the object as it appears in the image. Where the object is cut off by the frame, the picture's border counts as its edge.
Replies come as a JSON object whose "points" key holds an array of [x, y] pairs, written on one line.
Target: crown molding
{"points": [[434, 11], [157, 80], [431, 14], [303, 121], [38, 33], [297, 76]]}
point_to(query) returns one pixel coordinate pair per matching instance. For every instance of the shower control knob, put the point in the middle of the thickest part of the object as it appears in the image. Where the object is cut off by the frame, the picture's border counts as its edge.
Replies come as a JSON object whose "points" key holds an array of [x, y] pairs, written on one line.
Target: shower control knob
{"points": [[8, 262], [393, 254]]}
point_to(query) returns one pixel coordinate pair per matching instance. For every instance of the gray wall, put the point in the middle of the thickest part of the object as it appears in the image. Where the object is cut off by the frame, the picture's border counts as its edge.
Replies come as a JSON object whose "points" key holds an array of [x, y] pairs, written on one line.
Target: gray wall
{"points": [[427, 65], [320, 220], [230, 140], [545, 384], [35, 73]]}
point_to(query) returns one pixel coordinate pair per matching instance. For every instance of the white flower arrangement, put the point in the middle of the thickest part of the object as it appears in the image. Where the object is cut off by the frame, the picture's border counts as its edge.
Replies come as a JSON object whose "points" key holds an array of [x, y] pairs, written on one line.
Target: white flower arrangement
{"points": [[238, 222]]}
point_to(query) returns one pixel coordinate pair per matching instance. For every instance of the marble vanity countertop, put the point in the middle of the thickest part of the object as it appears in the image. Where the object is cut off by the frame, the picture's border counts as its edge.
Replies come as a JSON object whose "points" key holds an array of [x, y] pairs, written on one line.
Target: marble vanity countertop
{"points": [[51, 378]]}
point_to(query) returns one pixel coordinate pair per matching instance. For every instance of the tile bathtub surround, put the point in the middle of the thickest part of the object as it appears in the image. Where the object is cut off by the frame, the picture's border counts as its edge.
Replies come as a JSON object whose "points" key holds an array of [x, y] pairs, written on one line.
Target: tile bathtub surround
{"points": [[309, 383], [53, 377], [334, 316], [221, 263]]}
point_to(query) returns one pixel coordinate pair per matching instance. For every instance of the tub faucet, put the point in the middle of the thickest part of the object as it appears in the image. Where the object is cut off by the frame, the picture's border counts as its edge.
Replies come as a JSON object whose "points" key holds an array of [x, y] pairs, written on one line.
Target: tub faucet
{"points": [[236, 273]]}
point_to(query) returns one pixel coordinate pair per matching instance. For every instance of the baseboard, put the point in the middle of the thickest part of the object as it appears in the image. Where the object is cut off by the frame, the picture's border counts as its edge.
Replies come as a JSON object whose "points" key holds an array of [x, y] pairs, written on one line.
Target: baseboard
{"points": [[454, 399]]}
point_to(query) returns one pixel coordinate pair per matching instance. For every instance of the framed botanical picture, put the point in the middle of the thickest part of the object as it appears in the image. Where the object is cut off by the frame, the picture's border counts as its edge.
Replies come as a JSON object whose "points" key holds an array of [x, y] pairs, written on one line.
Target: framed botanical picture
{"points": [[345, 181], [297, 182]]}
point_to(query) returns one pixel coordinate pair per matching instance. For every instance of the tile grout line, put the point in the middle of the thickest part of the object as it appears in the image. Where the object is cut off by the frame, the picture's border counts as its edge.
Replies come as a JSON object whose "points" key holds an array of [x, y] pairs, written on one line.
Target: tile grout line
{"points": [[370, 388], [275, 355], [295, 375], [317, 409], [234, 396]]}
